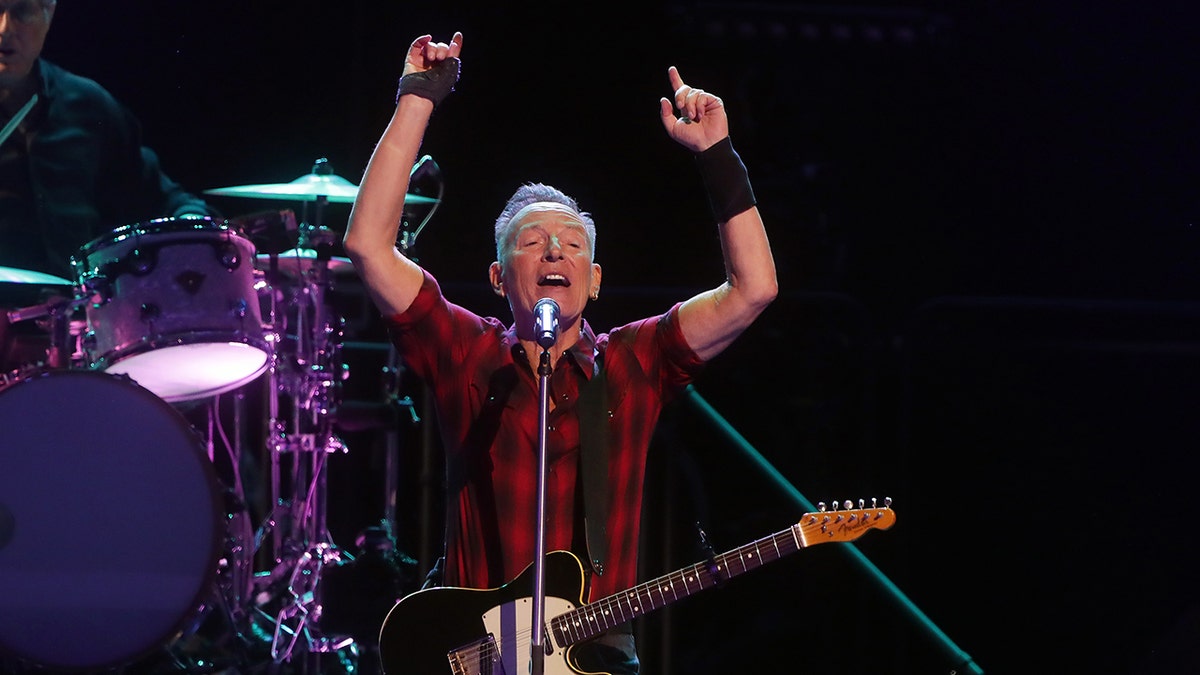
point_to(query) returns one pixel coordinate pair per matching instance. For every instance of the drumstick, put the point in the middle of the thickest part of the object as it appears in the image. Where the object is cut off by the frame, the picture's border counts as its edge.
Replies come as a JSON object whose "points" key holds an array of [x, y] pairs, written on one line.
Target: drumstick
{"points": [[12, 124]]}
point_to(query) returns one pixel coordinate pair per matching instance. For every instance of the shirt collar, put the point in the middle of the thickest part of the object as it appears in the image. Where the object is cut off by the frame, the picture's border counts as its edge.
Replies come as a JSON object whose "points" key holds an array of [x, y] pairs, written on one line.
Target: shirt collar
{"points": [[583, 352]]}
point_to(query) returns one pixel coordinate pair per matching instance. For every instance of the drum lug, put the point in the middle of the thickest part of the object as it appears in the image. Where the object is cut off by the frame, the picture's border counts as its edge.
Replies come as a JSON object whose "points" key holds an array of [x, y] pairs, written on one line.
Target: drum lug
{"points": [[240, 308], [97, 288], [229, 256]]}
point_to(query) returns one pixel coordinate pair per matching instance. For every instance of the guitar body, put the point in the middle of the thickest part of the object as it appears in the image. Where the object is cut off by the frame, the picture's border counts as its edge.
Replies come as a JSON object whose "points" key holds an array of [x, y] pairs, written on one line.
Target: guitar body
{"points": [[425, 626]]}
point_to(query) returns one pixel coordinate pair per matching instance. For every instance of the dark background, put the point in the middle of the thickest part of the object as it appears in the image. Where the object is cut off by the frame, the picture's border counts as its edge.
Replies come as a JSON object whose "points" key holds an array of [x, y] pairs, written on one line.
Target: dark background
{"points": [[983, 216]]}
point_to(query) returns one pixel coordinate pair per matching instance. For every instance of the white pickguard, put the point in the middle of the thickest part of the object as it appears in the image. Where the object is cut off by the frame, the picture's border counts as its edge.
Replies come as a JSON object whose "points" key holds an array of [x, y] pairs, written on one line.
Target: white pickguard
{"points": [[509, 625]]}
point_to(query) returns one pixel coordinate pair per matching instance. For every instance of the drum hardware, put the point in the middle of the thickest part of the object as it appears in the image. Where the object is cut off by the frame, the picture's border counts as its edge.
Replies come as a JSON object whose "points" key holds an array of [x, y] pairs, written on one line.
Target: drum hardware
{"points": [[35, 335], [271, 231], [236, 567], [392, 374], [380, 539], [58, 312], [303, 388], [297, 261]]}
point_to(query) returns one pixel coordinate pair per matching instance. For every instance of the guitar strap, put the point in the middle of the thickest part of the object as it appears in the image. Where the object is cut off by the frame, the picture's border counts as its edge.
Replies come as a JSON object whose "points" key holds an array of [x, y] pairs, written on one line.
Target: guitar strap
{"points": [[593, 463]]}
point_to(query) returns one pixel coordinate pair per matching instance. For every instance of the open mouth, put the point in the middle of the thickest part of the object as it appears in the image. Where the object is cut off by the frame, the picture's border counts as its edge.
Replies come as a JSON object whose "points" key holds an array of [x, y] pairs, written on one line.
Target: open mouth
{"points": [[554, 280]]}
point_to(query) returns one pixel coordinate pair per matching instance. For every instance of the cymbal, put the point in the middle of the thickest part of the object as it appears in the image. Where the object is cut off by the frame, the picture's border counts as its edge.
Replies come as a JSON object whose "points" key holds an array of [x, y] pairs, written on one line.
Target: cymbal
{"points": [[307, 188], [12, 275], [299, 260]]}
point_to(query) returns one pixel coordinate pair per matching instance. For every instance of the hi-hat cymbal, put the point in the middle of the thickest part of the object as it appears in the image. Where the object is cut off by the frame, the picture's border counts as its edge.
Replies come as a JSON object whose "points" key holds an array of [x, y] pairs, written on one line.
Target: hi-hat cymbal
{"points": [[308, 188], [299, 260], [12, 275]]}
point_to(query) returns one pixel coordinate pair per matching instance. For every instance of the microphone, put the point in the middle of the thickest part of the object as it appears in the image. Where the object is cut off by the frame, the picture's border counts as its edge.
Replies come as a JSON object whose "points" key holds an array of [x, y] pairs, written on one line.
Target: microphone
{"points": [[545, 322]]}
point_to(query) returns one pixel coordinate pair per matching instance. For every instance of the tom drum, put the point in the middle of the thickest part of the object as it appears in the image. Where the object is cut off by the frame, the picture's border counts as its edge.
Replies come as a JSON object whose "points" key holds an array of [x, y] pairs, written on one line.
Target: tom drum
{"points": [[173, 306]]}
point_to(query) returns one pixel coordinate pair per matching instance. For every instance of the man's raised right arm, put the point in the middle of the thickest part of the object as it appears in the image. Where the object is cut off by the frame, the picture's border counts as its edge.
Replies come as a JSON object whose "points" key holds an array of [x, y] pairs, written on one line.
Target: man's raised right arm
{"points": [[392, 280]]}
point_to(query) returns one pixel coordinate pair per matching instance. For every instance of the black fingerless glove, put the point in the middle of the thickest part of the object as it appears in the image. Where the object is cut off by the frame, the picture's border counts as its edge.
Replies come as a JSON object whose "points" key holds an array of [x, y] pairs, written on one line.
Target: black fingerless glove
{"points": [[726, 180], [434, 84]]}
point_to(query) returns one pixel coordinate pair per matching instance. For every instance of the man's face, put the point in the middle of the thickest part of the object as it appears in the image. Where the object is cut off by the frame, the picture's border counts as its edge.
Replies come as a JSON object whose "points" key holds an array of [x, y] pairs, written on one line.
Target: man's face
{"points": [[23, 28], [547, 255]]}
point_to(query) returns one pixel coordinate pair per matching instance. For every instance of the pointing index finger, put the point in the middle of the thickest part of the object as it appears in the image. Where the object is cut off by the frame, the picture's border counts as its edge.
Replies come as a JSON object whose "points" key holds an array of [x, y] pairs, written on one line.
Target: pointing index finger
{"points": [[676, 80]]}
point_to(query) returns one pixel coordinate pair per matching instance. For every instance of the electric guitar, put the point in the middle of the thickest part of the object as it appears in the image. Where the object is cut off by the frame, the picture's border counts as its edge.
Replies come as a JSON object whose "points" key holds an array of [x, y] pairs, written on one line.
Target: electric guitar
{"points": [[462, 631]]}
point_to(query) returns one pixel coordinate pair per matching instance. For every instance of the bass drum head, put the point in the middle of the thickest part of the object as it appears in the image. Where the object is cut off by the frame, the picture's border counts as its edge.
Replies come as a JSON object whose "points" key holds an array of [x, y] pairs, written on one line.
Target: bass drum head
{"points": [[110, 525]]}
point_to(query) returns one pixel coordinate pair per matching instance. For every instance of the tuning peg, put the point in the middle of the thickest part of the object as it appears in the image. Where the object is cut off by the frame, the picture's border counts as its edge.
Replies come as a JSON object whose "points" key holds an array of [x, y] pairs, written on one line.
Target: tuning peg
{"points": [[847, 504], [821, 506]]}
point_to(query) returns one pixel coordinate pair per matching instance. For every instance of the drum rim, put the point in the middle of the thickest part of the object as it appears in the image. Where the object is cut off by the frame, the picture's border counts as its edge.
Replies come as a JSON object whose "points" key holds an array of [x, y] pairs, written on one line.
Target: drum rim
{"points": [[159, 226], [163, 340], [216, 545]]}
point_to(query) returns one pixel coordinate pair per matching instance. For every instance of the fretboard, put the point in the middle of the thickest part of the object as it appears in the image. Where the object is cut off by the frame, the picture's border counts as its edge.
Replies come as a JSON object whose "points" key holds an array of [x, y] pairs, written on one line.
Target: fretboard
{"points": [[597, 617]]}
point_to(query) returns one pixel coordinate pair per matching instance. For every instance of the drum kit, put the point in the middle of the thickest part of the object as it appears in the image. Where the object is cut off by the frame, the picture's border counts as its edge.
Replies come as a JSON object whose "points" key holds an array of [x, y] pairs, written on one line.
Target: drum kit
{"points": [[140, 531]]}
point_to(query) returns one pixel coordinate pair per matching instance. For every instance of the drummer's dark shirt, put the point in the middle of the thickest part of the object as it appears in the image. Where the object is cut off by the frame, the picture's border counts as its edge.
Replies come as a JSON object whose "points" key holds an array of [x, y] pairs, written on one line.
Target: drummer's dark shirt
{"points": [[74, 170], [22, 243]]}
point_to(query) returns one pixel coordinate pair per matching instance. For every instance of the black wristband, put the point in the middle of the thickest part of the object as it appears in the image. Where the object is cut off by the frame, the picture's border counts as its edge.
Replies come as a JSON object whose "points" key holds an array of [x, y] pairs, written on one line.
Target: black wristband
{"points": [[434, 84], [726, 180]]}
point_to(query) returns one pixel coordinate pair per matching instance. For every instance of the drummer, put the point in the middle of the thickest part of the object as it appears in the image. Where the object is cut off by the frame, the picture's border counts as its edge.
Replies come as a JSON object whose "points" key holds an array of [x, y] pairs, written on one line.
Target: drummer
{"points": [[73, 165]]}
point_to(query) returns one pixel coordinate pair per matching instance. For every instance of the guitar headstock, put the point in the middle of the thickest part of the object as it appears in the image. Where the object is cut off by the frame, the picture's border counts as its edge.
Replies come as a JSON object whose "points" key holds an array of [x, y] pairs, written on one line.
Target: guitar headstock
{"points": [[846, 523]]}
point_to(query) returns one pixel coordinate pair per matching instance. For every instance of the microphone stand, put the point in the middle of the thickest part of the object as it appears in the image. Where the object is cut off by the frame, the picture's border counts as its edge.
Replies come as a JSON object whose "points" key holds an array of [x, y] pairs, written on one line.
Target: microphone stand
{"points": [[537, 653]]}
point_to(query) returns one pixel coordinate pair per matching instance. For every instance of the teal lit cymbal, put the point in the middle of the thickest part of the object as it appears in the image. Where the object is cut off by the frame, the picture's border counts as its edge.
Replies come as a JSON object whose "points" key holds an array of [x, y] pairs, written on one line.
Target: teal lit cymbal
{"points": [[334, 189], [12, 275]]}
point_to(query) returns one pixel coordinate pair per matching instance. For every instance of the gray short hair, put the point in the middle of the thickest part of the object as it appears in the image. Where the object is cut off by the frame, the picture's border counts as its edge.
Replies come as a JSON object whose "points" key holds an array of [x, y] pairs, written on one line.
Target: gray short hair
{"points": [[531, 193]]}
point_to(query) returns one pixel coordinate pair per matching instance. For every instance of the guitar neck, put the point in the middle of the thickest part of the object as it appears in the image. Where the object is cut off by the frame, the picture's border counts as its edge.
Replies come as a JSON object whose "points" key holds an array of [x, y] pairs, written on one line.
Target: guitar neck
{"points": [[814, 528], [597, 617]]}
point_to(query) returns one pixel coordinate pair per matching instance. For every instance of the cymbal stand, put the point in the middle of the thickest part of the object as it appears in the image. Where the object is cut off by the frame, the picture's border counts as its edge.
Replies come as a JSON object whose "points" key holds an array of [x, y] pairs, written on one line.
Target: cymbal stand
{"points": [[380, 538], [304, 373]]}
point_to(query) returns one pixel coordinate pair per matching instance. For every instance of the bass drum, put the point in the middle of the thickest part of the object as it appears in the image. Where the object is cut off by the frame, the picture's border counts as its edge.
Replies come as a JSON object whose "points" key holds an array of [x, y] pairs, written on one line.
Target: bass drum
{"points": [[110, 524]]}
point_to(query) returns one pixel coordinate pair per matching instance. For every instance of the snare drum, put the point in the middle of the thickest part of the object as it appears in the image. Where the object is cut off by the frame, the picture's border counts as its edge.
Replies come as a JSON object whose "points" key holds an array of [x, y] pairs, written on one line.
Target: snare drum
{"points": [[110, 526], [174, 306]]}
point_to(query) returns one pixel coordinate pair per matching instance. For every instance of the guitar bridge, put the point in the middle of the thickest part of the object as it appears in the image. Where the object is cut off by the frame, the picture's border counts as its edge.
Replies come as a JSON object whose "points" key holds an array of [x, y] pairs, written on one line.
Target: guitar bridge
{"points": [[481, 657]]}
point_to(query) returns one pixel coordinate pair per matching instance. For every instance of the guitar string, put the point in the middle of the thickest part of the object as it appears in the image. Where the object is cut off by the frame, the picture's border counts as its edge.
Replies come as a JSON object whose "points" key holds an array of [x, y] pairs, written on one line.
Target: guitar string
{"points": [[700, 571], [487, 650]]}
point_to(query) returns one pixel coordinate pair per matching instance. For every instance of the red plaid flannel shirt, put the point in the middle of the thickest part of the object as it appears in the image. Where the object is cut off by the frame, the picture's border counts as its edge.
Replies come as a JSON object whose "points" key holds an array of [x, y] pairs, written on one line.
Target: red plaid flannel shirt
{"points": [[486, 397]]}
